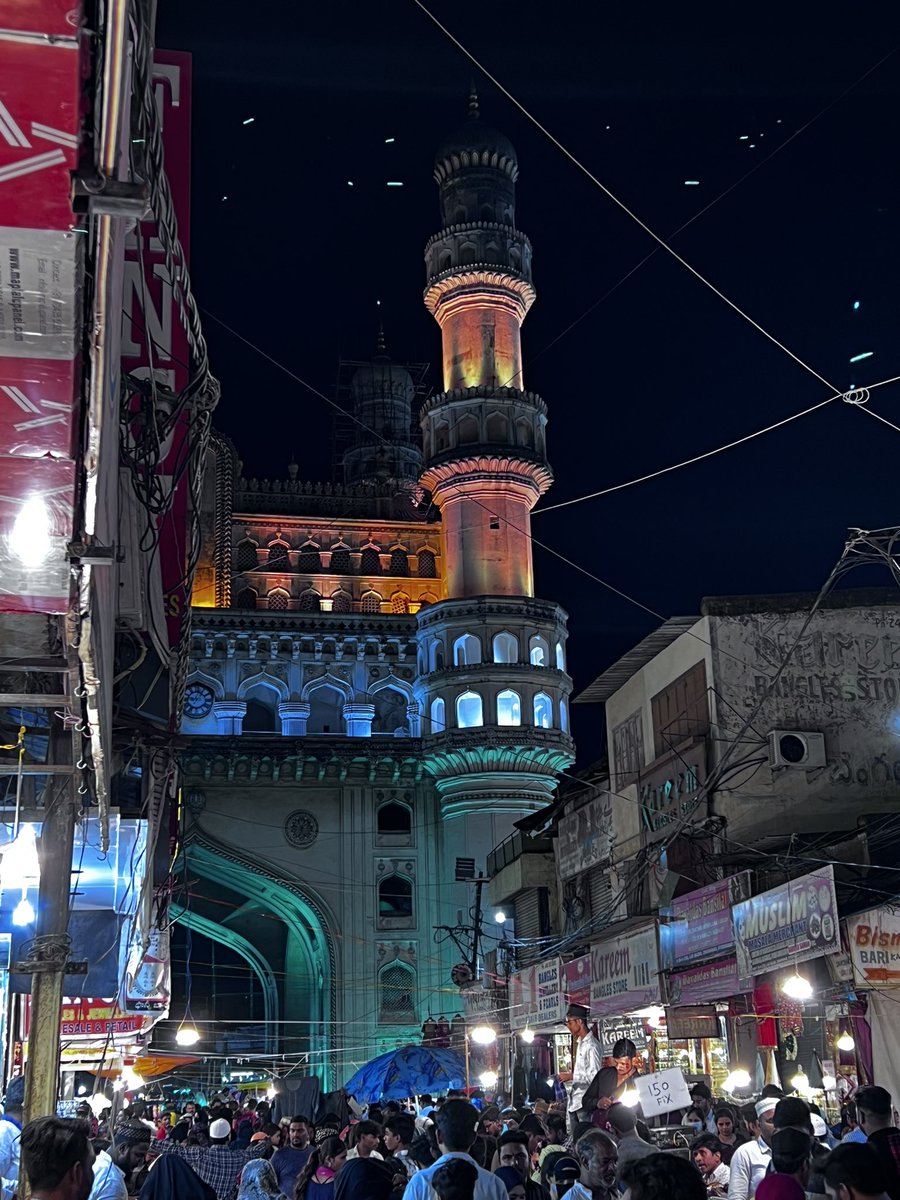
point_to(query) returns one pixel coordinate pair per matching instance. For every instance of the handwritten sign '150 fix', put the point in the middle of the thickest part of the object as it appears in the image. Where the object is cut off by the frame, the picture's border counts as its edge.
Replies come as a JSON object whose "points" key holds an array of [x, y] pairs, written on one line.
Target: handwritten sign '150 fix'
{"points": [[625, 973]]}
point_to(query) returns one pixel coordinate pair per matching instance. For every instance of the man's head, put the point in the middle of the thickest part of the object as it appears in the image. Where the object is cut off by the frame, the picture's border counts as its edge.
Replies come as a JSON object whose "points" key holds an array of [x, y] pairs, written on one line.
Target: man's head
{"points": [[513, 1151], [663, 1177], [14, 1101], [623, 1054], [399, 1131], [367, 1134], [598, 1157], [131, 1142], [873, 1108], [490, 1122], [765, 1109], [454, 1179], [298, 1133], [577, 1020], [791, 1149], [792, 1113], [219, 1131], [771, 1090], [854, 1171], [455, 1125], [702, 1098], [58, 1158], [706, 1151], [621, 1120]]}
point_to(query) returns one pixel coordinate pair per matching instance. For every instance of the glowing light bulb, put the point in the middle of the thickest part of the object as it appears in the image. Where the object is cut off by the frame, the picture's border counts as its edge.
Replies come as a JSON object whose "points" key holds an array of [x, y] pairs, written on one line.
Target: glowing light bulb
{"points": [[500, 916], [845, 1042], [187, 1035], [738, 1078], [29, 538], [488, 1079], [21, 867], [483, 1035], [654, 1016], [630, 1097], [829, 1083], [23, 913], [527, 1035], [800, 1082], [797, 987]]}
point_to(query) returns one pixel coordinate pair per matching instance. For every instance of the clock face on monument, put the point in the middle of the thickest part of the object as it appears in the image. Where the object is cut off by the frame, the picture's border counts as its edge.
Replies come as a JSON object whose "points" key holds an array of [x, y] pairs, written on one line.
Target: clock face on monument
{"points": [[198, 700]]}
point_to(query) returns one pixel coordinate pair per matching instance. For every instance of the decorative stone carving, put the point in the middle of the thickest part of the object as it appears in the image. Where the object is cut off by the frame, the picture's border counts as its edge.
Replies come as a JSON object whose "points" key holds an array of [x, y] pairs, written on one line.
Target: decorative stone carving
{"points": [[301, 829]]}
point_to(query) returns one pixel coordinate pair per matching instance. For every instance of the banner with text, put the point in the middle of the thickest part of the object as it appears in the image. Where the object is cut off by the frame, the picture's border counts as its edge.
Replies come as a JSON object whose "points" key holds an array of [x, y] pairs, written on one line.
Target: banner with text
{"points": [[625, 973], [706, 982], [537, 996], [788, 924], [585, 836], [701, 926], [874, 938]]}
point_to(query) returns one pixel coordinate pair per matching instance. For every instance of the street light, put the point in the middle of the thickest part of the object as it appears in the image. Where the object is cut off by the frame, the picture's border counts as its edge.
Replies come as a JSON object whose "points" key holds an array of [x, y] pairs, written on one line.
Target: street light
{"points": [[500, 916], [527, 1035], [797, 986], [23, 913], [488, 1079], [483, 1035], [187, 1035], [738, 1079]]}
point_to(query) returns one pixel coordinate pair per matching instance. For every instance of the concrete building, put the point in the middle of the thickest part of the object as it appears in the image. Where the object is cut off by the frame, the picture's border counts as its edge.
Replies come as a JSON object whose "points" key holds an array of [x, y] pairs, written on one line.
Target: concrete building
{"points": [[375, 692]]}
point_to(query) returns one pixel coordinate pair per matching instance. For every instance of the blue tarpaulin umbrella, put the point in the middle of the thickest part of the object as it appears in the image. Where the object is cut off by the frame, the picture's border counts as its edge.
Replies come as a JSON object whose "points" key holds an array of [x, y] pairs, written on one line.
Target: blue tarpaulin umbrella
{"points": [[407, 1071]]}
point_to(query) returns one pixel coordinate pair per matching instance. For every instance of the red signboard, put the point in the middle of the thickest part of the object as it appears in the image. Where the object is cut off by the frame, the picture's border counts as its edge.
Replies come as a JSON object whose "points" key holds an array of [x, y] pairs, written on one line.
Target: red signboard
{"points": [[152, 329]]}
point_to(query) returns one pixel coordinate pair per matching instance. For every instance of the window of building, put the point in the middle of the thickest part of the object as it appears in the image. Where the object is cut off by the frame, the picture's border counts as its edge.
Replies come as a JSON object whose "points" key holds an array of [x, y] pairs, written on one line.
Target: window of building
{"points": [[278, 558], [438, 715], [310, 601], [426, 598], [309, 561], [246, 599], [525, 433], [564, 716], [393, 817], [435, 656], [497, 429], [539, 651], [397, 994], [506, 648], [245, 557], [441, 436], [543, 711], [277, 600], [341, 602], [370, 603], [469, 710], [467, 430], [340, 560], [680, 710], [395, 898], [399, 562], [326, 710], [427, 565], [466, 651], [400, 602], [259, 718], [560, 657], [509, 708], [370, 561]]}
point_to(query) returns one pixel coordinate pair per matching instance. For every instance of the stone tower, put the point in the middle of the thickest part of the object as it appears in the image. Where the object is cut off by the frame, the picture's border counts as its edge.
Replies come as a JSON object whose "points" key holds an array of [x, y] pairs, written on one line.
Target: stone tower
{"points": [[384, 448], [492, 657]]}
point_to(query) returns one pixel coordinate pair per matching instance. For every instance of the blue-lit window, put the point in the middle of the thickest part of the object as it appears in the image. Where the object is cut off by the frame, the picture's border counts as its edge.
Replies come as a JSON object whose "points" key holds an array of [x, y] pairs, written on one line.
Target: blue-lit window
{"points": [[469, 710], [438, 715], [560, 657], [466, 651], [509, 708], [506, 648], [564, 716], [538, 651], [543, 711]]}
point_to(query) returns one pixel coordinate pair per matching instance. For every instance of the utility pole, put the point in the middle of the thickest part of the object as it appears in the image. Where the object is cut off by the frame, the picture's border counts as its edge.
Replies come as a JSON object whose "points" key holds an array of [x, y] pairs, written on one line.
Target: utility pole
{"points": [[476, 930]]}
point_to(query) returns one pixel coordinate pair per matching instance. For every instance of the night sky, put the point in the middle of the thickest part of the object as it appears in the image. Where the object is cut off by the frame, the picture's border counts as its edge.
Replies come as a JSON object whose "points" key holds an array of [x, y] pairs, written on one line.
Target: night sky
{"points": [[647, 96]]}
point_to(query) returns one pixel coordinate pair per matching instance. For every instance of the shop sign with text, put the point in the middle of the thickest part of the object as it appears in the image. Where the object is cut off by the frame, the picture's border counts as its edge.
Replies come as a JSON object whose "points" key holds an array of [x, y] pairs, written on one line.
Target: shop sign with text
{"points": [[625, 973], [669, 791], [585, 836], [788, 924], [709, 981], [874, 938], [701, 926]]}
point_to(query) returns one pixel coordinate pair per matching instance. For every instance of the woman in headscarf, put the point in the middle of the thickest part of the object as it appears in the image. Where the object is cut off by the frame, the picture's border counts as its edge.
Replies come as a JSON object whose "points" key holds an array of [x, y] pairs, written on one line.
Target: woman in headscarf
{"points": [[171, 1178], [364, 1179], [259, 1182]]}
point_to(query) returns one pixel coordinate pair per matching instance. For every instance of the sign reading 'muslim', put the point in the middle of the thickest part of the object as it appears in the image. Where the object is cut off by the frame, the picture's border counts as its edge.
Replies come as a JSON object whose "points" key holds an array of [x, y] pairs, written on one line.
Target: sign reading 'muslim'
{"points": [[788, 924]]}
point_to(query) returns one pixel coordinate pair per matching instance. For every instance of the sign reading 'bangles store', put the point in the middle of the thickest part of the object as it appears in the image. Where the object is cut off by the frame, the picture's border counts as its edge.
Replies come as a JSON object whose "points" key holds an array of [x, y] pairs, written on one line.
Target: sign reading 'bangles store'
{"points": [[625, 973]]}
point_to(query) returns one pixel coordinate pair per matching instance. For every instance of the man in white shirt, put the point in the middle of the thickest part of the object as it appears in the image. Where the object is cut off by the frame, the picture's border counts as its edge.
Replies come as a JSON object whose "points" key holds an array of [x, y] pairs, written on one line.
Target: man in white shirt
{"points": [[588, 1061], [750, 1162], [455, 1125], [10, 1132], [598, 1156], [113, 1167], [706, 1151]]}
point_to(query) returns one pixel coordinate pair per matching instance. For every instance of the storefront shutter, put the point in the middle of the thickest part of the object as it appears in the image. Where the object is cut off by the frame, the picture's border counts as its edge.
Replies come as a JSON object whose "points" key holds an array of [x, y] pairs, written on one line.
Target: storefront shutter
{"points": [[600, 892]]}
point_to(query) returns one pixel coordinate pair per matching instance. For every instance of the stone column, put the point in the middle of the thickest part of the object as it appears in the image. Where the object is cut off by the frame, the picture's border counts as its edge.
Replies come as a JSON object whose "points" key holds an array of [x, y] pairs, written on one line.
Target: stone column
{"points": [[230, 715], [294, 715], [358, 719]]}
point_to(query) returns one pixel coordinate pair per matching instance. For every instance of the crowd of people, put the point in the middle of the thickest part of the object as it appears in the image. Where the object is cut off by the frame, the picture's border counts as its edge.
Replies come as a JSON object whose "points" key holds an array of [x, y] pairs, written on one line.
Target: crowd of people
{"points": [[775, 1148]]}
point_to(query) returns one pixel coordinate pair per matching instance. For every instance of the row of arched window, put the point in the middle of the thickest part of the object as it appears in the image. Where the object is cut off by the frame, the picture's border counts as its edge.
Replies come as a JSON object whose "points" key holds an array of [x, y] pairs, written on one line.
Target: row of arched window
{"points": [[505, 648], [279, 600], [508, 711], [309, 560]]}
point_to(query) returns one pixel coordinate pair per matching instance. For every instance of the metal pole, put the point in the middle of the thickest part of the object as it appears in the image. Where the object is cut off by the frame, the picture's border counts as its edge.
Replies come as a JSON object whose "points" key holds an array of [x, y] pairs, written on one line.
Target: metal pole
{"points": [[467, 1063], [51, 951], [476, 933]]}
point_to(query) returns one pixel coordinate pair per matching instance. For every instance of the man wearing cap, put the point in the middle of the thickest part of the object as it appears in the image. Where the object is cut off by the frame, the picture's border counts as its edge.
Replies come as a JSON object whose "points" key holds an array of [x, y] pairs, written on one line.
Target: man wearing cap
{"points": [[113, 1167], [750, 1162], [217, 1164], [588, 1061], [10, 1131]]}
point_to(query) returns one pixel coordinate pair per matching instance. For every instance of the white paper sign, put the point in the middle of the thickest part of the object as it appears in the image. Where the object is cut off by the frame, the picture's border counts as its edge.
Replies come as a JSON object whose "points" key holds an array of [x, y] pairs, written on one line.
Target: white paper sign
{"points": [[662, 1092]]}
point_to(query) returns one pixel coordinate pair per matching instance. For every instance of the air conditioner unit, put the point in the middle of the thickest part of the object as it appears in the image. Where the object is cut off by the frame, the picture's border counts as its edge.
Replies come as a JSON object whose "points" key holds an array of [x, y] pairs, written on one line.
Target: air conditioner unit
{"points": [[796, 748]]}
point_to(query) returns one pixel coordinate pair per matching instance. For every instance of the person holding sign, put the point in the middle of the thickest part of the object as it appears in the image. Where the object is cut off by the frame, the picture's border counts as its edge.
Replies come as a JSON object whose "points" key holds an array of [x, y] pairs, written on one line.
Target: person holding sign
{"points": [[588, 1061]]}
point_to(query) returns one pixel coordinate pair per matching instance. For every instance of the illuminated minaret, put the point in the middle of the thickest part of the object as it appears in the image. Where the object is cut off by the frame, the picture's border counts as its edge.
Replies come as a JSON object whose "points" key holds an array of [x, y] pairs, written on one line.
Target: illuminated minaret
{"points": [[492, 657]]}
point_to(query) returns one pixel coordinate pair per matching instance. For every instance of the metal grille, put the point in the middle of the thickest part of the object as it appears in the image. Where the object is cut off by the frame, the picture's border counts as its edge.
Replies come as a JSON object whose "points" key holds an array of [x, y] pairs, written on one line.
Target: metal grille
{"points": [[277, 600], [398, 992], [427, 565]]}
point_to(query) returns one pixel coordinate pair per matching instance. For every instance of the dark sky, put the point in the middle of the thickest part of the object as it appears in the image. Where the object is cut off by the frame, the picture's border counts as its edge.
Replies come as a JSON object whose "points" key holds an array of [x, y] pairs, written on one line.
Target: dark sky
{"points": [[647, 96]]}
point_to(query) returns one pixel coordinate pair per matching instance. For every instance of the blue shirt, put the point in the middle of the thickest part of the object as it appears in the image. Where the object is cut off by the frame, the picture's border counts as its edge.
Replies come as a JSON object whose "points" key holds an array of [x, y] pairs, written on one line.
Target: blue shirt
{"points": [[855, 1135], [487, 1186], [10, 1132]]}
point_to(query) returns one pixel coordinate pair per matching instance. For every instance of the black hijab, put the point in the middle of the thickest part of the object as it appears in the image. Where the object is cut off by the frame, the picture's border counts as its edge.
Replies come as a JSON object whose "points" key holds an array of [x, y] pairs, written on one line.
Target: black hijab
{"points": [[171, 1178], [363, 1179]]}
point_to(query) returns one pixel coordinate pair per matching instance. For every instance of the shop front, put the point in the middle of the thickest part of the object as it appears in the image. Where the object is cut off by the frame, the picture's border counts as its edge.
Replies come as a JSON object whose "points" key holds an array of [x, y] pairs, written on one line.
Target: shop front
{"points": [[626, 997], [542, 1047], [873, 942]]}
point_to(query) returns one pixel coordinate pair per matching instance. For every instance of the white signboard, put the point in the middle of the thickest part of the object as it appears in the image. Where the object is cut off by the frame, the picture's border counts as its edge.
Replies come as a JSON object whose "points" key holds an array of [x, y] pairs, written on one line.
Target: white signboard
{"points": [[625, 973], [663, 1092], [874, 938], [537, 996], [585, 836]]}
